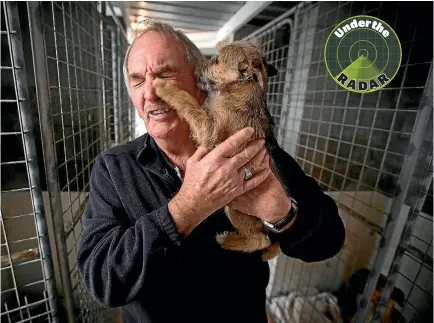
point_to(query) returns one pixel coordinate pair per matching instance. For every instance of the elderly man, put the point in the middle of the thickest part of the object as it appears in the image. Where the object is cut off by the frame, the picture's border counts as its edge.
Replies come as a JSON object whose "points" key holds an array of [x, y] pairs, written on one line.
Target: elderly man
{"points": [[156, 205]]}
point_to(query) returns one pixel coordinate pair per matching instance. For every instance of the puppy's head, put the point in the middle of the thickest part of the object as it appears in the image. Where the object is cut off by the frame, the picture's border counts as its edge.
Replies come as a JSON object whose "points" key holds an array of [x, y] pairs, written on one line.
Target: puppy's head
{"points": [[237, 62]]}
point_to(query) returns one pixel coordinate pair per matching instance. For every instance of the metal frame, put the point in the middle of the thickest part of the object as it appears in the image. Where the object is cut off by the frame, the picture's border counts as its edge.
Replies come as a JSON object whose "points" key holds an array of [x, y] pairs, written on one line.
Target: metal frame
{"points": [[42, 89], [119, 75], [42, 254], [114, 44], [248, 11]]}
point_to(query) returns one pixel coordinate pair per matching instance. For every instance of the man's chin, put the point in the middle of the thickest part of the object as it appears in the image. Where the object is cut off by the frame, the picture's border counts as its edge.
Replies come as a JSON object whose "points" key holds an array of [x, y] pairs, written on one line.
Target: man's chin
{"points": [[161, 130], [167, 129]]}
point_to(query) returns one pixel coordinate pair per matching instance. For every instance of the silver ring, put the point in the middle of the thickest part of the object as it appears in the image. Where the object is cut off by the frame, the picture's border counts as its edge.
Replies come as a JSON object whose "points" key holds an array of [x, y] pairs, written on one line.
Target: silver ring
{"points": [[247, 173]]}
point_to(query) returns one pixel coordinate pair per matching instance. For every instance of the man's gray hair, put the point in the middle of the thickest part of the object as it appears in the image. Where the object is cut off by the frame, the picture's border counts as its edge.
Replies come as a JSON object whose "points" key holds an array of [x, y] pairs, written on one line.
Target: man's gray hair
{"points": [[192, 54]]}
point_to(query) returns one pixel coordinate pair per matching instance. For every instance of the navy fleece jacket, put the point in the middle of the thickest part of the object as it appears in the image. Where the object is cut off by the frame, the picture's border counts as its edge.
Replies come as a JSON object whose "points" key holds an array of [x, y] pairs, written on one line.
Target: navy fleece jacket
{"points": [[131, 254]]}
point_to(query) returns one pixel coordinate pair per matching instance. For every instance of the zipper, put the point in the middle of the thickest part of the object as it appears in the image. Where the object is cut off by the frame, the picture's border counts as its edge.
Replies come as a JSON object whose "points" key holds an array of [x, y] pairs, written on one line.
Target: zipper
{"points": [[165, 175]]}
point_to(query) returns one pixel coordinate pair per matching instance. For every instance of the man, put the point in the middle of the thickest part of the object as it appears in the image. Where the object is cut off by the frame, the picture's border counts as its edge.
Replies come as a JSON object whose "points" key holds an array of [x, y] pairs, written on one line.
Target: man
{"points": [[156, 205]]}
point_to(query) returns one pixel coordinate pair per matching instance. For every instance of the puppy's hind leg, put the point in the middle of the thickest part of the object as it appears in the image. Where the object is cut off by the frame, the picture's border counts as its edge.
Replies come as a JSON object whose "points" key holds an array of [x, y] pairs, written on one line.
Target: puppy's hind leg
{"points": [[188, 108], [271, 252], [237, 242]]}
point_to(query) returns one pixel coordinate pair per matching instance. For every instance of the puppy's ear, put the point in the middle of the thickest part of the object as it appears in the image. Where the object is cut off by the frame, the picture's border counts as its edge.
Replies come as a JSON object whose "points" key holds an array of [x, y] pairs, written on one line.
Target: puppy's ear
{"points": [[220, 44], [270, 69], [245, 71]]}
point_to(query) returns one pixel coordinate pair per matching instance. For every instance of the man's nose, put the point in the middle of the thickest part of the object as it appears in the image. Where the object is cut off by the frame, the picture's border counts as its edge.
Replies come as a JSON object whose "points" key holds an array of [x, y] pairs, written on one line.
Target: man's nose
{"points": [[149, 93]]}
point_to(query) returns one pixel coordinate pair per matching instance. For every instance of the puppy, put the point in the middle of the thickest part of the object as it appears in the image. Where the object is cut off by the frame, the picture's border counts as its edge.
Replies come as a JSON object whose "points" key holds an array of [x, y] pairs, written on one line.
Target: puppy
{"points": [[237, 81]]}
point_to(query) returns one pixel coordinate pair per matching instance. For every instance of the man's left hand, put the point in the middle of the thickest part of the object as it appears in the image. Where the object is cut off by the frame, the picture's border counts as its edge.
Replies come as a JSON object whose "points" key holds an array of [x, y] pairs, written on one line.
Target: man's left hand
{"points": [[268, 201]]}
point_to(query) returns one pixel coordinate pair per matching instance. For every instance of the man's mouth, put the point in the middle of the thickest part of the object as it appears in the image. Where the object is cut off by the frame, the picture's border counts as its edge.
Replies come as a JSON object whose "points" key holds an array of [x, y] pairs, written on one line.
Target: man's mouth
{"points": [[159, 111]]}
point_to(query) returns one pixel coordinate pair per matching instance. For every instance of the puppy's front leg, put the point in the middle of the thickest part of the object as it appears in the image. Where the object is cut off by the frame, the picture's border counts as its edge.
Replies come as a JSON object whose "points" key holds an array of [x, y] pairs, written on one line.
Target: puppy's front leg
{"points": [[188, 108]]}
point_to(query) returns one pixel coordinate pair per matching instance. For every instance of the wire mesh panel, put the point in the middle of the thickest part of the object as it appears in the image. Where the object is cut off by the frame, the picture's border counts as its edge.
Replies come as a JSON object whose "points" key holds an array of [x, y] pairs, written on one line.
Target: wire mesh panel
{"points": [[27, 276], [82, 66], [66, 48], [358, 147], [127, 110], [74, 52], [122, 121]]}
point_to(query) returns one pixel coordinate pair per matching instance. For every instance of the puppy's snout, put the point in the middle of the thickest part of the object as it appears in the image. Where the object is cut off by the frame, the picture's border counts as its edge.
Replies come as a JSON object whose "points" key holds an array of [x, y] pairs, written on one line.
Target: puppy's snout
{"points": [[202, 75], [199, 68]]}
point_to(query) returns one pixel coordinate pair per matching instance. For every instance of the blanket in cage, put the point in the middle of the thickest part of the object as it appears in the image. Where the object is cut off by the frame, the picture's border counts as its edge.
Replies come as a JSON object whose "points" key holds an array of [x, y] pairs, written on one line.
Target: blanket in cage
{"points": [[305, 306]]}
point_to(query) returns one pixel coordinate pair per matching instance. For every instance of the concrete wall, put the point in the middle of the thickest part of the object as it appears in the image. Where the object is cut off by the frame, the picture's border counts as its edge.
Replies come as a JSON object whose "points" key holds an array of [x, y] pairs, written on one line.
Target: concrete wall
{"points": [[24, 228]]}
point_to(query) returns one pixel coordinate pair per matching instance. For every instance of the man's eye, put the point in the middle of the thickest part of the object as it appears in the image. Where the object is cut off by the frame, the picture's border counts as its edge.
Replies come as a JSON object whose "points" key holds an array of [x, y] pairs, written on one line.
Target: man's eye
{"points": [[138, 83]]}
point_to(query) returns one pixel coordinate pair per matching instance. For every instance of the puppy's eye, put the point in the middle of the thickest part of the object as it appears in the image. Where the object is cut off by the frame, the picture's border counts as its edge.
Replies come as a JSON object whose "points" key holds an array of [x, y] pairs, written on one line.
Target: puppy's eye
{"points": [[216, 60]]}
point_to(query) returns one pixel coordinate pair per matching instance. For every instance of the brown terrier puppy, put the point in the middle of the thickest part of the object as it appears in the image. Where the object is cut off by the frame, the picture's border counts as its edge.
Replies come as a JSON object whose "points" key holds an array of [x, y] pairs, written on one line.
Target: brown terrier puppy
{"points": [[237, 81]]}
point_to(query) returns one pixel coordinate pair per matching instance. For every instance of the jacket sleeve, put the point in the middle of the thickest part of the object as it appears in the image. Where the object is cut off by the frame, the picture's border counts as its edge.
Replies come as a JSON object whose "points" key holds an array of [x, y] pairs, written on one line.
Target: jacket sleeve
{"points": [[318, 232], [116, 259]]}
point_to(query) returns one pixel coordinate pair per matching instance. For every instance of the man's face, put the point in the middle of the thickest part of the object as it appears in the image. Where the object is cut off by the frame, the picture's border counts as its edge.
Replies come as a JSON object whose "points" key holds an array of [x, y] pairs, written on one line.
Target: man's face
{"points": [[158, 55]]}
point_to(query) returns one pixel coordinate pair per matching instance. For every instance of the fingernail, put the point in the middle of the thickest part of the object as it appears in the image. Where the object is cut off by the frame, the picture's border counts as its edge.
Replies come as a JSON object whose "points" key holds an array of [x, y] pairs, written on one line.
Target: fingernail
{"points": [[251, 131]]}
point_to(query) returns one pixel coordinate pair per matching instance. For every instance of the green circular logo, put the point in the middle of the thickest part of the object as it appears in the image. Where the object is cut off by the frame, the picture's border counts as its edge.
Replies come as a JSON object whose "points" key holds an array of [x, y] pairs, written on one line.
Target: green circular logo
{"points": [[363, 54]]}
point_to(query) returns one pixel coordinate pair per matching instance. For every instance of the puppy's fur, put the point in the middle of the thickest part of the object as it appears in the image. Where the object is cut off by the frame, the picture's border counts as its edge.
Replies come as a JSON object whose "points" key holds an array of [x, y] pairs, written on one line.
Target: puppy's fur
{"points": [[236, 80]]}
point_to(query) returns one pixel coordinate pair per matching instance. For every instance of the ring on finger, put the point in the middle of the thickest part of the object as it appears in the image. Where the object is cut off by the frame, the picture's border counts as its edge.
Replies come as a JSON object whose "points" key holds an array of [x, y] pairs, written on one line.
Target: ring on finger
{"points": [[247, 173]]}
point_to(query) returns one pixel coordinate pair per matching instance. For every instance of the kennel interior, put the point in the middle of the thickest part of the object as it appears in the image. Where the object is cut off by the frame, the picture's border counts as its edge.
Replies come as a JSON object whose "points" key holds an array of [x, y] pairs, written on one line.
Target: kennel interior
{"points": [[63, 102], [371, 152]]}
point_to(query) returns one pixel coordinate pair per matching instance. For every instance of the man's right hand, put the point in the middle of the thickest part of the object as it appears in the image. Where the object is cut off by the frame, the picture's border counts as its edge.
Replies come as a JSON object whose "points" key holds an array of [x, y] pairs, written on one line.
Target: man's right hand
{"points": [[214, 178]]}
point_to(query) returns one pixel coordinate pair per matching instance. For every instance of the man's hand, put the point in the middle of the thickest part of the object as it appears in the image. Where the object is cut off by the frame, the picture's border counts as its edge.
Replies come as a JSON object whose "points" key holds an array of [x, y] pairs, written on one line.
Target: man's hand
{"points": [[267, 201], [213, 179]]}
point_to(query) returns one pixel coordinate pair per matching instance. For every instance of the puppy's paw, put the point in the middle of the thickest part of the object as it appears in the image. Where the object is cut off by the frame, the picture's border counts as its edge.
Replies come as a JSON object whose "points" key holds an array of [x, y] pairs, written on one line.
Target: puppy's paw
{"points": [[164, 89], [236, 242], [159, 83], [220, 238], [229, 240], [271, 252]]}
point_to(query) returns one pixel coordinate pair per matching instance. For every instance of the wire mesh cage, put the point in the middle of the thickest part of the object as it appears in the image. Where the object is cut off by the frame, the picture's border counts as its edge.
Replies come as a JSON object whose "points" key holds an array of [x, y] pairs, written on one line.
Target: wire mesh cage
{"points": [[62, 66], [27, 284], [370, 152]]}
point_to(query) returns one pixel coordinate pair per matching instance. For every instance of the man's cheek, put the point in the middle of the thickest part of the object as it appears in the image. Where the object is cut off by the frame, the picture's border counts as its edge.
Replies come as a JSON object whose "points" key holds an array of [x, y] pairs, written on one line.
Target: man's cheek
{"points": [[178, 82], [136, 98], [139, 104]]}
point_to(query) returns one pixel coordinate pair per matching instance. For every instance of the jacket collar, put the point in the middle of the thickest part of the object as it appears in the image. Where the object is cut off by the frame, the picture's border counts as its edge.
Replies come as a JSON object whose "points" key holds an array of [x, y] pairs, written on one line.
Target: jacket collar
{"points": [[150, 156]]}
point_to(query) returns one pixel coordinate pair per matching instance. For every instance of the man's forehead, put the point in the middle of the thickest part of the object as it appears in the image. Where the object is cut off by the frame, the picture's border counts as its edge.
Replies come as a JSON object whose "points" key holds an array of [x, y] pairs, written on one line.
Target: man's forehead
{"points": [[157, 49]]}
